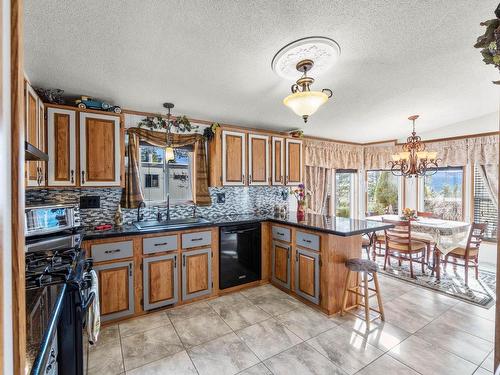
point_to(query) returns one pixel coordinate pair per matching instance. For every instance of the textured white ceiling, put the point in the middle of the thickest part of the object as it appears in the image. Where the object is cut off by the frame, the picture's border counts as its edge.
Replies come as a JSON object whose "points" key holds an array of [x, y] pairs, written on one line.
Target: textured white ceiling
{"points": [[213, 59]]}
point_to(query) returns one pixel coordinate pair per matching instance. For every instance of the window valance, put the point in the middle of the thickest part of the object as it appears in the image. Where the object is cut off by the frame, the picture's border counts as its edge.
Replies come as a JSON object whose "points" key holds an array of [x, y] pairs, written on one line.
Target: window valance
{"points": [[333, 155]]}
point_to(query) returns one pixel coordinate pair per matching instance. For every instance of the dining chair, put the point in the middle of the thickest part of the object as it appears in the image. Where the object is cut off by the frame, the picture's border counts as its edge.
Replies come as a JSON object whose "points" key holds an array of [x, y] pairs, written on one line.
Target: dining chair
{"points": [[468, 251], [400, 245], [377, 241]]}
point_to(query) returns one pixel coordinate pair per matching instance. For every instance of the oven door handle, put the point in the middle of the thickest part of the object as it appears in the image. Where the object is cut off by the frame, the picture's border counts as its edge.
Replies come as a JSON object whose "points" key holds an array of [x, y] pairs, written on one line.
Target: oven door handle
{"points": [[87, 302]]}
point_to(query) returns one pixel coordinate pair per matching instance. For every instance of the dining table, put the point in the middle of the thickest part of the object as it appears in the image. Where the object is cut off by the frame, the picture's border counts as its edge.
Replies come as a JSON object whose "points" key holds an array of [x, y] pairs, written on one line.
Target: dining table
{"points": [[446, 235]]}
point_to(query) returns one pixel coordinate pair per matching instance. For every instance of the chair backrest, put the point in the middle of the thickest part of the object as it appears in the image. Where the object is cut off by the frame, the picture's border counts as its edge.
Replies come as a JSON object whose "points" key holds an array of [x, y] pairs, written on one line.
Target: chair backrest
{"points": [[400, 235], [476, 235]]}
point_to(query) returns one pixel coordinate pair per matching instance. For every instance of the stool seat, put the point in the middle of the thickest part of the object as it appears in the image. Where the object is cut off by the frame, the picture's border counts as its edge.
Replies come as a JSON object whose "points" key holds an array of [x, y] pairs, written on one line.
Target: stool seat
{"points": [[361, 265]]}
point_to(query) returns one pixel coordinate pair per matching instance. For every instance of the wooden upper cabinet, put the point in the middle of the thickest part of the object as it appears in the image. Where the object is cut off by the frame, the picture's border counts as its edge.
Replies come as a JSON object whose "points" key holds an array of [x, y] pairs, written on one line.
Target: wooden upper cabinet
{"points": [[34, 129], [100, 150], [278, 161], [293, 162], [42, 141], [258, 159], [233, 158], [61, 140]]}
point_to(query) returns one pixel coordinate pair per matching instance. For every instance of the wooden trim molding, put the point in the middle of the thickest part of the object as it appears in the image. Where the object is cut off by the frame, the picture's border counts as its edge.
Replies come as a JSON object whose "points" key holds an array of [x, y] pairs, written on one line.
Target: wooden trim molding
{"points": [[17, 185]]}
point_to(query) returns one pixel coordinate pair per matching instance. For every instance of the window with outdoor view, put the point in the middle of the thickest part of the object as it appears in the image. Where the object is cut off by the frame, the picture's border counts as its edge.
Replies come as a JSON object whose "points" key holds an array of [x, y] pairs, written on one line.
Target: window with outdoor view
{"points": [[160, 177], [485, 209], [443, 193], [382, 193], [344, 192]]}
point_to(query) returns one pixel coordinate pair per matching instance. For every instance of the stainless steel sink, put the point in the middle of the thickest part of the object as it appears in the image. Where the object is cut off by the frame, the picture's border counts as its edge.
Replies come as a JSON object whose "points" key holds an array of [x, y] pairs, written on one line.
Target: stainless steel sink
{"points": [[169, 224]]}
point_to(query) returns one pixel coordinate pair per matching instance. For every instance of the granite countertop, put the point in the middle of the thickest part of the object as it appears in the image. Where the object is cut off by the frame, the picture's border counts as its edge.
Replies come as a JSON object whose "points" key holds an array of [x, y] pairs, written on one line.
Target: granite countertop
{"points": [[339, 226]]}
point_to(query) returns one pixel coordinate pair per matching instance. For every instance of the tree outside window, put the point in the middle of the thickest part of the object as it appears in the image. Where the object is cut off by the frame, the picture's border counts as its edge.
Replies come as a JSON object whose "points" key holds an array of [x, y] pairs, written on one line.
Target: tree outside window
{"points": [[344, 192], [382, 193], [442, 193]]}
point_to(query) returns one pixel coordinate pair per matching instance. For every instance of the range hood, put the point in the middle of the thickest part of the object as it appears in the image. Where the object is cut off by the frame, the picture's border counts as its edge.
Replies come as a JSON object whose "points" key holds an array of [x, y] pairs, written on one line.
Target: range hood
{"points": [[33, 153]]}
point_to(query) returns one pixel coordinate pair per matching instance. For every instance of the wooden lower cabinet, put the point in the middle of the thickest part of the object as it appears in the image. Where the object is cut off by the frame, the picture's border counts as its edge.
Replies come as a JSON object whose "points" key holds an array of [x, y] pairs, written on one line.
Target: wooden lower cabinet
{"points": [[196, 273], [280, 264], [307, 274], [160, 281], [116, 289]]}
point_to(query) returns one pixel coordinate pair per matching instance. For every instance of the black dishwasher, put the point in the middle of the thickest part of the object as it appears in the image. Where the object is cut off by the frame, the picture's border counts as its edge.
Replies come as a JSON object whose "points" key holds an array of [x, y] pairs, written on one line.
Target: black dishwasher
{"points": [[239, 254]]}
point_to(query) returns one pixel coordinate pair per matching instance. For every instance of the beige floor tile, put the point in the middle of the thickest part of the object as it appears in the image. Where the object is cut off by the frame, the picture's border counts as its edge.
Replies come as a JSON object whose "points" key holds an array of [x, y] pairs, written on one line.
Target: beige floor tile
{"points": [[306, 322], [276, 304], [226, 355], [438, 298], [382, 335], [482, 371], [258, 369], [488, 362], [106, 359], [149, 346], [301, 360], [178, 364], [474, 325], [429, 359], [143, 323], [268, 338], [386, 365], [467, 308], [346, 349], [232, 299], [107, 335], [189, 311], [463, 344], [199, 329], [239, 316], [259, 291]]}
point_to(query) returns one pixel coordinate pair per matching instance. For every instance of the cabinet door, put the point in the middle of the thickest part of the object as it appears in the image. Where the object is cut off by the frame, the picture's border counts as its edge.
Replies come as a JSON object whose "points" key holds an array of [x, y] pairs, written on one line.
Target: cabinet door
{"points": [[281, 264], [116, 290], [32, 134], [61, 141], [42, 141], [196, 273], [100, 150], [258, 159], [278, 161], [293, 162], [307, 274], [233, 158], [160, 281]]}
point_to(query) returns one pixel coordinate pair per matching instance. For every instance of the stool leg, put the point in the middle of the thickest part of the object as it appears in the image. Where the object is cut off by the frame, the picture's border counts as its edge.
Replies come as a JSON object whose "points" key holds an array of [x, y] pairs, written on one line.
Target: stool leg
{"points": [[379, 296], [346, 293], [366, 300]]}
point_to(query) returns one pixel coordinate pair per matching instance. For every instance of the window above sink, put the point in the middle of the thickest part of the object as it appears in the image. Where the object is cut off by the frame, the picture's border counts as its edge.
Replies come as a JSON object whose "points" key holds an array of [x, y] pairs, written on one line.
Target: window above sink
{"points": [[160, 177]]}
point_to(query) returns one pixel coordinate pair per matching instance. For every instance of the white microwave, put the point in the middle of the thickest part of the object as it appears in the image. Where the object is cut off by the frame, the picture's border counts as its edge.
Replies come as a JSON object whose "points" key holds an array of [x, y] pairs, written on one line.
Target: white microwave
{"points": [[51, 218]]}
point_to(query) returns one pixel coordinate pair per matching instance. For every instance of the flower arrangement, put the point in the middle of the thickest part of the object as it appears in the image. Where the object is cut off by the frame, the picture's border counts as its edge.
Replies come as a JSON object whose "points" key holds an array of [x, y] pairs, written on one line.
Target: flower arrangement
{"points": [[300, 194], [408, 214], [489, 42]]}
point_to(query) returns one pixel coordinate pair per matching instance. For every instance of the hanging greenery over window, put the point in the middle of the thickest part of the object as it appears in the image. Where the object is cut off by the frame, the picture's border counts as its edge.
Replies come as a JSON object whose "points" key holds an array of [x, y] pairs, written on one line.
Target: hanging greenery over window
{"points": [[181, 124]]}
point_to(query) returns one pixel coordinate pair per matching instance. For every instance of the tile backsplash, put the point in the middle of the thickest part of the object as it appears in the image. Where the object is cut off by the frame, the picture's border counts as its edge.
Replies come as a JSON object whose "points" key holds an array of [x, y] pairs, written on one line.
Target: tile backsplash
{"points": [[238, 200]]}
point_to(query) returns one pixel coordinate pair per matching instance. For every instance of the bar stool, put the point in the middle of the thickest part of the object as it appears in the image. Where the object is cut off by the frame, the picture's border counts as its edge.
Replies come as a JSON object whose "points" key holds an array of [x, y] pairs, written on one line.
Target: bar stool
{"points": [[362, 289]]}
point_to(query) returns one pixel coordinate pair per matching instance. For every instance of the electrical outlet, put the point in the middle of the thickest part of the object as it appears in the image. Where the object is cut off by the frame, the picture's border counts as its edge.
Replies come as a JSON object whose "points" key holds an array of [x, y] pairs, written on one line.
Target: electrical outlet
{"points": [[221, 197], [90, 201]]}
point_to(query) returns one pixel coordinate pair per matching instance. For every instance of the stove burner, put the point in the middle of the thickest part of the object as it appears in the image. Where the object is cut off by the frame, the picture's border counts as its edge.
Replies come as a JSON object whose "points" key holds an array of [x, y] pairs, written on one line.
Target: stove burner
{"points": [[49, 267]]}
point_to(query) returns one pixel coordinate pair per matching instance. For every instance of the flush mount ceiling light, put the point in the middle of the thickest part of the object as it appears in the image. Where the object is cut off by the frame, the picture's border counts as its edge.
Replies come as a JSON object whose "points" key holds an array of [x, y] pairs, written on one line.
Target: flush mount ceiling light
{"points": [[414, 160], [295, 60]]}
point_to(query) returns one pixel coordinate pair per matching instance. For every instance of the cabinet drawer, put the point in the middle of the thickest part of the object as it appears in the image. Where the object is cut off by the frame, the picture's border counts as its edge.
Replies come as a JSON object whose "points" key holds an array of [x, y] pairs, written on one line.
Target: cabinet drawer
{"points": [[196, 239], [280, 233], [311, 241], [158, 244], [112, 250]]}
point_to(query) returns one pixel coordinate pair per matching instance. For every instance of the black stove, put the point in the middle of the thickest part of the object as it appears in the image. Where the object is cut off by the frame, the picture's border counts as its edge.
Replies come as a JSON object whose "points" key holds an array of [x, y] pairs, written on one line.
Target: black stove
{"points": [[56, 302]]}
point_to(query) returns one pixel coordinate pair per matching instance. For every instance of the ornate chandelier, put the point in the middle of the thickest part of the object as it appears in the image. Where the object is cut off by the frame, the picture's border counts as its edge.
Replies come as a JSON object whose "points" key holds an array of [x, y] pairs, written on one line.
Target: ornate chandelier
{"points": [[414, 160], [303, 101]]}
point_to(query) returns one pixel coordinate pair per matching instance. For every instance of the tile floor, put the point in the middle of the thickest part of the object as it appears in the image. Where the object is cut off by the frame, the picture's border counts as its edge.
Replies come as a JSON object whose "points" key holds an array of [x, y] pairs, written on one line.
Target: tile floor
{"points": [[265, 331]]}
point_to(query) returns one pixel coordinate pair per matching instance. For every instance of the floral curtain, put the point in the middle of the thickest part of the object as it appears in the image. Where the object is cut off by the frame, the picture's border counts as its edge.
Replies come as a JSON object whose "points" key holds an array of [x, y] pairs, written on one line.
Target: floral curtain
{"points": [[132, 194], [483, 150], [453, 153], [316, 182], [378, 157], [332, 155]]}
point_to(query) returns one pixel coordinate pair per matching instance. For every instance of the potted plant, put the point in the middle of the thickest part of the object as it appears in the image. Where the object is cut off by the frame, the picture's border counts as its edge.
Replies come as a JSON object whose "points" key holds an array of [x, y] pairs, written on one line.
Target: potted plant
{"points": [[408, 214], [300, 195]]}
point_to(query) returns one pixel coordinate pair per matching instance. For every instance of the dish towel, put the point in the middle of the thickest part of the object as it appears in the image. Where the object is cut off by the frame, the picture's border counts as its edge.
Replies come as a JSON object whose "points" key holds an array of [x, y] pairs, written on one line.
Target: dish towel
{"points": [[93, 315]]}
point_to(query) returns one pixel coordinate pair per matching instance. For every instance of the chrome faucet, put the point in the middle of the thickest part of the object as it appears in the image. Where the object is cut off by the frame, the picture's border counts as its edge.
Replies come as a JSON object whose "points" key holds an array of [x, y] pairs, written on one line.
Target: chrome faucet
{"points": [[139, 215], [168, 207]]}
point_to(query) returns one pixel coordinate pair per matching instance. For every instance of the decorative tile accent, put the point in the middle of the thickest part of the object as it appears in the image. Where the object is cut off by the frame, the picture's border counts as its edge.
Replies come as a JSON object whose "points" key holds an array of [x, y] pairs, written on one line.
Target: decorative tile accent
{"points": [[239, 201]]}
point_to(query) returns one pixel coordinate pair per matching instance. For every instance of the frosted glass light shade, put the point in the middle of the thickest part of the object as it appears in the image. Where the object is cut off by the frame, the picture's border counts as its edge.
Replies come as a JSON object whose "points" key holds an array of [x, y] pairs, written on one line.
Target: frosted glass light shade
{"points": [[432, 155], [305, 103], [169, 153], [422, 154], [404, 155], [396, 157]]}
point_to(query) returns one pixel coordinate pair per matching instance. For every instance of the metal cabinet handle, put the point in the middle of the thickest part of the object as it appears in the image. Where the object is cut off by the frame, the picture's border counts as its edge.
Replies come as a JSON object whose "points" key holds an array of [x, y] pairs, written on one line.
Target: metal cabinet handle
{"points": [[183, 261], [243, 178], [112, 251], [130, 269], [286, 180], [249, 179], [83, 177], [72, 172], [280, 233], [175, 261], [161, 244], [196, 239], [307, 241], [296, 257]]}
